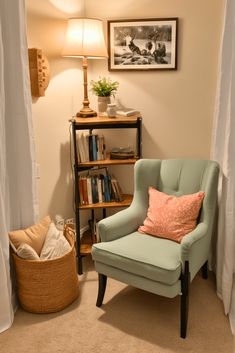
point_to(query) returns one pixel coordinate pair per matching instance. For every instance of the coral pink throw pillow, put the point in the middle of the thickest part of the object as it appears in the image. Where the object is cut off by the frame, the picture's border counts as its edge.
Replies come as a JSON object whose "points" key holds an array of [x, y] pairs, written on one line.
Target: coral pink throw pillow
{"points": [[170, 216]]}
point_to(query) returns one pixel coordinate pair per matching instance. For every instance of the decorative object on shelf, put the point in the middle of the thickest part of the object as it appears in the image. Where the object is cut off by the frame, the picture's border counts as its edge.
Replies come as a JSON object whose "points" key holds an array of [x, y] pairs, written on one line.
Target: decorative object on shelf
{"points": [[39, 71], [85, 39], [104, 88], [138, 44], [122, 153], [111, 110], [127, 111]]}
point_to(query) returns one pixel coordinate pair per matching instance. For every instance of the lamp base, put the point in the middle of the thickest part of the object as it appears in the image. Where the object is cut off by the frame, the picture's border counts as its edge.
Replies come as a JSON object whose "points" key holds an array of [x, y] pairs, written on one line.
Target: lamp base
{"points": [[86, 113]]}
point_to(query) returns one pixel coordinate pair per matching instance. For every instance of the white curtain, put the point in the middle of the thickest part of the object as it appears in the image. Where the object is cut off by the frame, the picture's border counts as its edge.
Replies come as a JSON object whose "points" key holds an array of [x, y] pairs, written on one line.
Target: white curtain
{"points": [[223, 150], [18, 203]]}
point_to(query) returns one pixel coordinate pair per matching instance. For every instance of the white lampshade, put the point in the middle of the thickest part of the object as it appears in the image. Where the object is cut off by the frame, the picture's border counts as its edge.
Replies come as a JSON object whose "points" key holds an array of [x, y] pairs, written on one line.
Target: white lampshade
{"points": [[84, 37]]}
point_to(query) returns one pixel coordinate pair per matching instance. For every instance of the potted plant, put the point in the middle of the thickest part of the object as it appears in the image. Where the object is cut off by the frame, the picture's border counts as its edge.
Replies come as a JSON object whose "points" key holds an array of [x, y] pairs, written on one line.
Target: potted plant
{"points": [[104, 88]]}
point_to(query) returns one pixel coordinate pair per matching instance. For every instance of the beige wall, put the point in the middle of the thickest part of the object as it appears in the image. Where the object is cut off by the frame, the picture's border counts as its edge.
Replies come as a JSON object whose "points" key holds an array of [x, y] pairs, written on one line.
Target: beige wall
{"points": [[177, 106]]}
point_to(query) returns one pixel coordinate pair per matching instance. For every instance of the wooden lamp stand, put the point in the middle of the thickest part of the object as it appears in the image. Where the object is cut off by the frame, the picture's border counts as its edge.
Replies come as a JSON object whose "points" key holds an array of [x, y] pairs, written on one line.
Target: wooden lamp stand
{"points": [[86, 111]]}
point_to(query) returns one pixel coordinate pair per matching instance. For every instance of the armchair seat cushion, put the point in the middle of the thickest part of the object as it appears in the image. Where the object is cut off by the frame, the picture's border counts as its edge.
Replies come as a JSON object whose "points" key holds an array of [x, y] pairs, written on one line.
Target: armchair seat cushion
{"points": [[144, 255]]}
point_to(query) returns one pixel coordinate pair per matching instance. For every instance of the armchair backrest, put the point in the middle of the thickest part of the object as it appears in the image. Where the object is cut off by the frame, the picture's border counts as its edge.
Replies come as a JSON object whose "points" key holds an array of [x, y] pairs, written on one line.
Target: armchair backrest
{"points": [[178, 177]]}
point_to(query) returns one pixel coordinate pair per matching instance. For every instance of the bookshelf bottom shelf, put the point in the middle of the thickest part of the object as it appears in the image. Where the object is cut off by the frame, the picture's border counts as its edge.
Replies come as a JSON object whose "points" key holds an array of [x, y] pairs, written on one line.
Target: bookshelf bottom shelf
{"points": [[86, 243], [87, 239]]}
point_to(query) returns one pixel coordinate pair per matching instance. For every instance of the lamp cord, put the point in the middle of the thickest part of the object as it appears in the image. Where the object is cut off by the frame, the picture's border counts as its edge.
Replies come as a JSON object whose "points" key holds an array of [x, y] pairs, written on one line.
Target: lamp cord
{"points": [[71, 163], [84, 8]]}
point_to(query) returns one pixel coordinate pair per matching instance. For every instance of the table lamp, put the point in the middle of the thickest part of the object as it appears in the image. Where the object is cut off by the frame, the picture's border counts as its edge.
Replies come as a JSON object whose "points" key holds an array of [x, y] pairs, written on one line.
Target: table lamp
{"points": [[84, 39]]}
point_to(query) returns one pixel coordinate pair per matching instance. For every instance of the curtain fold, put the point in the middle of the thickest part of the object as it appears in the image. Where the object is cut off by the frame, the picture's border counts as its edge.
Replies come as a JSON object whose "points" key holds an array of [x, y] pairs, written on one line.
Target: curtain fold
{"points": [[223, 150], [18, 197]]}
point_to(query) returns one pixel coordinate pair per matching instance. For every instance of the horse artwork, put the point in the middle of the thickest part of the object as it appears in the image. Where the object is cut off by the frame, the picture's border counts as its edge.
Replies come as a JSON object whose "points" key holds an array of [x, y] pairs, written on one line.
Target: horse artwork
{"points": [[143, 44]]}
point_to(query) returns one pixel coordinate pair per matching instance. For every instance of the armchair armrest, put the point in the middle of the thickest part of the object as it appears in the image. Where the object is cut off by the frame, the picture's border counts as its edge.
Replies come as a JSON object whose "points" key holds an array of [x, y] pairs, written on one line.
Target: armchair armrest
{"points": [[121, 223], [195, 247], [187, 241]]}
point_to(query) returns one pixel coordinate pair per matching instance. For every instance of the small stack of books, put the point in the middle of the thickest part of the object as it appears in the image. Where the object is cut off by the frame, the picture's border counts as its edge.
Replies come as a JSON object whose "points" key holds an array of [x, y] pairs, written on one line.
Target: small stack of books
{"points": [[91, 147], [99, 187], [127, 111]]}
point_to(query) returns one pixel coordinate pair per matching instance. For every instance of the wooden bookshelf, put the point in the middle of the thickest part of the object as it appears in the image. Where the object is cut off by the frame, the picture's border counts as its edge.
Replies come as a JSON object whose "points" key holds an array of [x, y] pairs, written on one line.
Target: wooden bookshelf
{"points": [[96, 123]]}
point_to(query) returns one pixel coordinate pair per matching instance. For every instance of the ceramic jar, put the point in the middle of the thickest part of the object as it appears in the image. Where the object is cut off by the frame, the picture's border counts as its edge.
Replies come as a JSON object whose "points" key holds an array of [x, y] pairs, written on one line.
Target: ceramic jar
{"points": [[111, 110]]}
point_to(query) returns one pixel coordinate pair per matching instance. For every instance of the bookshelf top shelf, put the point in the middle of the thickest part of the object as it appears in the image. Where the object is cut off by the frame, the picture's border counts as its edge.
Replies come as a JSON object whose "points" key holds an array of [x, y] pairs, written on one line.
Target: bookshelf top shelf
{"points": [[105, 122]]}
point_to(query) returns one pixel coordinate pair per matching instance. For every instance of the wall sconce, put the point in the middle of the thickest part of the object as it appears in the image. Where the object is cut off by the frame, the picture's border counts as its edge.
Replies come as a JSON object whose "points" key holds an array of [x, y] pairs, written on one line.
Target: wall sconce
{"points": [[39, 71], [84, 39]]}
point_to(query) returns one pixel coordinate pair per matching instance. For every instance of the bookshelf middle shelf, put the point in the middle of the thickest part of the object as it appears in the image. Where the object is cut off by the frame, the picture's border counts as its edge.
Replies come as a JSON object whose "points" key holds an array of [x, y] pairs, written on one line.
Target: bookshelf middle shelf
{"points": [[127, 199], [106, 162]]}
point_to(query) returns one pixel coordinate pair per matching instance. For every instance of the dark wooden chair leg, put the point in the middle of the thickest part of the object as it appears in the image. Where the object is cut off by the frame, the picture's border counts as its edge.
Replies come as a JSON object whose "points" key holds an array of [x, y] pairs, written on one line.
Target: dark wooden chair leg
{"points": [[205, 270], [185, 280], [102, 287]]}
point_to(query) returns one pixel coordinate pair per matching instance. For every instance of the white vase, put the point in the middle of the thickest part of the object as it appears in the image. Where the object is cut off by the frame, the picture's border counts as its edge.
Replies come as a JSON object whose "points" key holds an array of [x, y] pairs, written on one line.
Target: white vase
{"points": [[102, 105]]}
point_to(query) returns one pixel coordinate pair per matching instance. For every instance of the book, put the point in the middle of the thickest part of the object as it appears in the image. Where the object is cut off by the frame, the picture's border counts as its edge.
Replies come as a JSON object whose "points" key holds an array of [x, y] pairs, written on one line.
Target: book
{"points": [[127, 112], [94, 147], [100, 193], [116, 189], [89, 190], [119, 190], [86, 147], [90, 147], [80, 149], [107, 193], [94, 189], [101, 152], [84, 189], [80, 187]]}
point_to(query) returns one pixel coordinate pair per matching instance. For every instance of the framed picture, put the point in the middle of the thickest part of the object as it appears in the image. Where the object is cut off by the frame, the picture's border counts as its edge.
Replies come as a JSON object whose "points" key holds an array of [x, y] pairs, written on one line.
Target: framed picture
{"points": [[149, 44]]}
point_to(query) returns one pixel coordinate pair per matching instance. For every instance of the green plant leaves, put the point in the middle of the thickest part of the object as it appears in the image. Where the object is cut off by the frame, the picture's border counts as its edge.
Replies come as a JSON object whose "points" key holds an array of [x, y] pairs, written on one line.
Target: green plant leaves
{"points": [[104, 87]]}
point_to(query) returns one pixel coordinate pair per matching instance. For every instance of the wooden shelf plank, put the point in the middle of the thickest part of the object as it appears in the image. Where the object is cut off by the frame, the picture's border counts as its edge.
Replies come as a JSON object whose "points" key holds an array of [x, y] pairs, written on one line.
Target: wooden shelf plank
{"points": [[126, 202], [101, 120], [108, 161]]}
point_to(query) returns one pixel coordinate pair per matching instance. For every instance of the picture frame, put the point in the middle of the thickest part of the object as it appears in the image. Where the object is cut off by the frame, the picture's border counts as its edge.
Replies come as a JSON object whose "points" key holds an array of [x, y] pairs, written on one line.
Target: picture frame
{"points": [[142, 44]]}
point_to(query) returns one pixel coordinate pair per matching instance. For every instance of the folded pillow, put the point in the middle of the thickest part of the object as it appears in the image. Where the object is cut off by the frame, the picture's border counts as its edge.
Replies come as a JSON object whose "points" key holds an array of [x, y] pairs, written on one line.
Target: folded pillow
{"points": [[33, 236], [170, 216], [55, 244], [26, 252]]}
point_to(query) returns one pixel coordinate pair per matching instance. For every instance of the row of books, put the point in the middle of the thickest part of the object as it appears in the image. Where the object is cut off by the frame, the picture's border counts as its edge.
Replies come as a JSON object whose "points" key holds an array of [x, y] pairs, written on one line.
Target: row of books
{"points": [[99, 188], [91, 147]]}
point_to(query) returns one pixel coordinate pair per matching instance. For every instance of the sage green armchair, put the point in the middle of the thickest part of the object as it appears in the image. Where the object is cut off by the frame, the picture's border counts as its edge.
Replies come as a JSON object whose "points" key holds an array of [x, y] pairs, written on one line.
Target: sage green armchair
{"points": [[158, 265]]}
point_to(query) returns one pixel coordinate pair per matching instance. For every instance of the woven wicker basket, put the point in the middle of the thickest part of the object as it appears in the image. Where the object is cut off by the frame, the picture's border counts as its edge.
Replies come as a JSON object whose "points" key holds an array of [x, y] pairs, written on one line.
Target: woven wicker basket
{"points": [[47, 286]]}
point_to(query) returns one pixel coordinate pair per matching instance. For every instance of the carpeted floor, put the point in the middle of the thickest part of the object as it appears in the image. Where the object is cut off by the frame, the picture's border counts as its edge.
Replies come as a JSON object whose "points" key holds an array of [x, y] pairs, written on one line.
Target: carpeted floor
{"points": [[130, 321]]}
